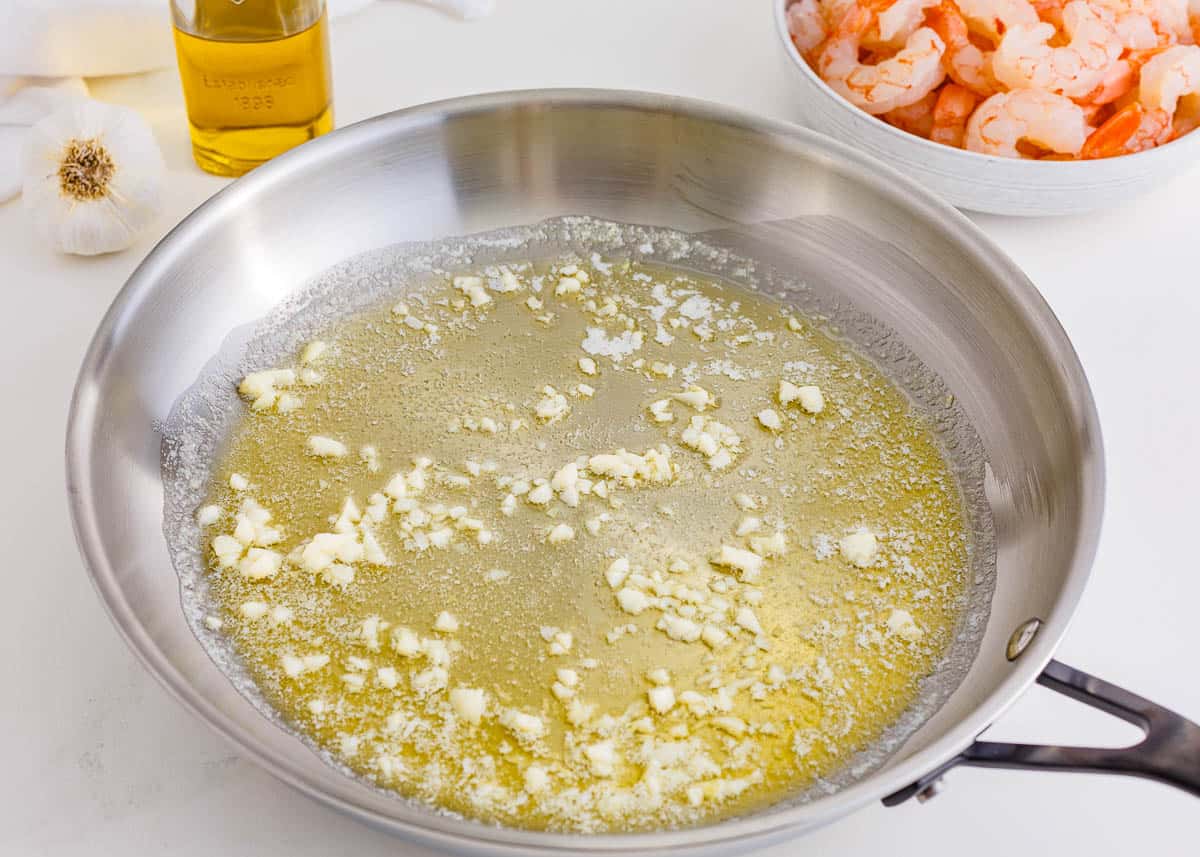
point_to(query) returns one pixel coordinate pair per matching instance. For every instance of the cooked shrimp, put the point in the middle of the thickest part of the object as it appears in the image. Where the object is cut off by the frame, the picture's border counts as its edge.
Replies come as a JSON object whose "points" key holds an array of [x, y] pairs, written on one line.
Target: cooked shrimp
{"points": [[965, 62], [1131, 129], [994, 18], [1049, 11], [916, 118], [1096, 114], [1117, 81], [806, 24], [1046, 120], [901, 19], [835, 10], [1120, 79], [950, 113], [1043, 79], [1137, 31], [1186, 113], [892, 21], [1170, 18], [1146, 24], [896, 82], [1025, 59], [1174, 17], [1169, 76]]}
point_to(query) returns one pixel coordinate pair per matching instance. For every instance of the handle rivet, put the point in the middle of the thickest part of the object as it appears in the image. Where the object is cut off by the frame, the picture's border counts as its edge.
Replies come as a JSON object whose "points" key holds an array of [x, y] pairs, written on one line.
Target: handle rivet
{"points": [[931, 791], [1022, 637]]}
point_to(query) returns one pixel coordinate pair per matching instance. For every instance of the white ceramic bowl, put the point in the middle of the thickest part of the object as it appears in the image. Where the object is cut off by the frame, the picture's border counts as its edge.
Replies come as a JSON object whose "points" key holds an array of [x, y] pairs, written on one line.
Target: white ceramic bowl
{"points": [[982, 182]]}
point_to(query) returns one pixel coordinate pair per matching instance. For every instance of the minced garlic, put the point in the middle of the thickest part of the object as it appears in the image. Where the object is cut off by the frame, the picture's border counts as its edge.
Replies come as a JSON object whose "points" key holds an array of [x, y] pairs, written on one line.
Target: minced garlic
{"points": [[601, 605]]}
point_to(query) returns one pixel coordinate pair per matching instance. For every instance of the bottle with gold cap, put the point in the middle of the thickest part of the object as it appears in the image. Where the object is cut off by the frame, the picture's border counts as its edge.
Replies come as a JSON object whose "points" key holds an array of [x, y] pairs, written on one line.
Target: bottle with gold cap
{"points": [[256, 78]]}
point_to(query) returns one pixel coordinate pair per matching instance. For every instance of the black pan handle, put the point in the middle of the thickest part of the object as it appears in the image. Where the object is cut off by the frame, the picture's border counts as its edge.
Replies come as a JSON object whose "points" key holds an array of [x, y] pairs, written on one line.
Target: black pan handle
{"points": [[1169, 752]]}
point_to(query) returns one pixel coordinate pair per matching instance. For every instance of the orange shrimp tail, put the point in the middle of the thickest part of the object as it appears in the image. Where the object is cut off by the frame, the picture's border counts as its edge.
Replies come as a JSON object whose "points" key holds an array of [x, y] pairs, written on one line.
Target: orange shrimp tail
{"points": [[948, 23], [951, 27], [950, 112], [1115, 135], [954, 103], [1049, 11]]}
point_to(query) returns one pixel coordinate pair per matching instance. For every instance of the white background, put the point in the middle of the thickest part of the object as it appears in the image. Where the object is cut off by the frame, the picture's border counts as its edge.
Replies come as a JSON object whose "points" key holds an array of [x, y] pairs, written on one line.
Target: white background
{"points": [[97, 760]]}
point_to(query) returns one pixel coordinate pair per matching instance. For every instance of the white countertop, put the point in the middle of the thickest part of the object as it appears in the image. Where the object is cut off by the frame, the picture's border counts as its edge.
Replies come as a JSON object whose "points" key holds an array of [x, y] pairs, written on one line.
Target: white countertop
{"points": [[99, 760]]}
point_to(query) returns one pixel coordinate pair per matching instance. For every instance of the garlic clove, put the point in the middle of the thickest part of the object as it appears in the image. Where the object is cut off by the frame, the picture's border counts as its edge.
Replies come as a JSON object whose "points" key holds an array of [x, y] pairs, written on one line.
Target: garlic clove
{"points": [[93, 177]]}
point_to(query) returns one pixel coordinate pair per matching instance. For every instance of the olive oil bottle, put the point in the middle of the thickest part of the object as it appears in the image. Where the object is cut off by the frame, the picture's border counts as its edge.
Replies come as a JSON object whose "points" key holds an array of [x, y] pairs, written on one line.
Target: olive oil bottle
{"points": [[256, 78]]}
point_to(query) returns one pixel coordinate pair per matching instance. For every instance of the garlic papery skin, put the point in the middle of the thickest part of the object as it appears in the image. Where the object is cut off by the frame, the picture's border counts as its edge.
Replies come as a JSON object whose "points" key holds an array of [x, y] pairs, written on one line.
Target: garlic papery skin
{"points": [[93, 177]]}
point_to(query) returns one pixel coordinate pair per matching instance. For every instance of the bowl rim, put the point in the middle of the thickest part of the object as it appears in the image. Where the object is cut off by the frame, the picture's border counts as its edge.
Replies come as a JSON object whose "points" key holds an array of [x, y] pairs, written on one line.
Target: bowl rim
{"points": [[460, 834], [779, 12]]}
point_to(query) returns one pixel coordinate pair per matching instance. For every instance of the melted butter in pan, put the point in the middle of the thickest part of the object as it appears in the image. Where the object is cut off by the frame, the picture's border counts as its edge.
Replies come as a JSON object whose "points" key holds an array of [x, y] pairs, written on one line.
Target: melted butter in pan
{"points": [[596, 548]]}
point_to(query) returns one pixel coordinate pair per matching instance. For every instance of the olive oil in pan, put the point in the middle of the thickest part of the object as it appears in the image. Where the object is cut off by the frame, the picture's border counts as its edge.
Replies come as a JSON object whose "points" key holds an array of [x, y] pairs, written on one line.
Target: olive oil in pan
{"points": [[605, 548]]}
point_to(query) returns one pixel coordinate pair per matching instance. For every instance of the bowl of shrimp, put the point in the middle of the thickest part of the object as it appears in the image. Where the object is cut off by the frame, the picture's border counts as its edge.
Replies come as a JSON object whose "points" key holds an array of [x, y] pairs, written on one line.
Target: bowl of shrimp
{"points": [[1018, 107]]}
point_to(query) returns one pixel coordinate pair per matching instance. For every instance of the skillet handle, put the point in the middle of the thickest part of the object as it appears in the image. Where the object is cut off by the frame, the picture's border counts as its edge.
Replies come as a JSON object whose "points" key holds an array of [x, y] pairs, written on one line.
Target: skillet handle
{"points": [[1169, 752]]}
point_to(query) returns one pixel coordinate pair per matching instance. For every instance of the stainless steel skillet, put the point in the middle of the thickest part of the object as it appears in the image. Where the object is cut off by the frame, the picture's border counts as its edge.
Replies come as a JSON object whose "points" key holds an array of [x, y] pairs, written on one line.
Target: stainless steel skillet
{"points": [[848, 224]]}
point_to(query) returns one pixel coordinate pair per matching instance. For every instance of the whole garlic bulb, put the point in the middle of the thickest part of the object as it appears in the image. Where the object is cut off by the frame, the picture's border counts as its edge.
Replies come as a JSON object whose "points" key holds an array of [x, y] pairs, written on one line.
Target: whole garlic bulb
{"points": [[93, 177]]}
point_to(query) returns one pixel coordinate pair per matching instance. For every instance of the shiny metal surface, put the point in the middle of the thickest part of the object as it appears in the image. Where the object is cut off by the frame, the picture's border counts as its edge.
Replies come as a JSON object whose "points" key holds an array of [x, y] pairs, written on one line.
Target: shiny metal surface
{"points": [[1168, 753], [773, 191]]}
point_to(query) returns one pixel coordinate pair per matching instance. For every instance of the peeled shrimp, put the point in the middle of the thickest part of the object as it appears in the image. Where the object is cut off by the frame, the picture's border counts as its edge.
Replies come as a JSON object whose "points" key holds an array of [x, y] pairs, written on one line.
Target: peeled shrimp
{"points": [[1131, 129], [966, 64], [1044, 119], [916, 118], [806, 24], [1170, 76], [1049, 11], [892, 21], [1137, 31], [950, 113], [994, 18], [901, 19], [896, 82], [1024, 58], [1120, 79], [1167, 77], [1044, 79], [835, 10], [1146, 24], [1117, 81], [1170, 18]]}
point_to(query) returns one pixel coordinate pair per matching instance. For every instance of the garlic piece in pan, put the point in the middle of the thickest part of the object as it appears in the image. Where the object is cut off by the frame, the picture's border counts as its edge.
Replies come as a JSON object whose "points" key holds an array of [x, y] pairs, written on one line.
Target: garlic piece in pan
{"points": [[93, 177]]}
